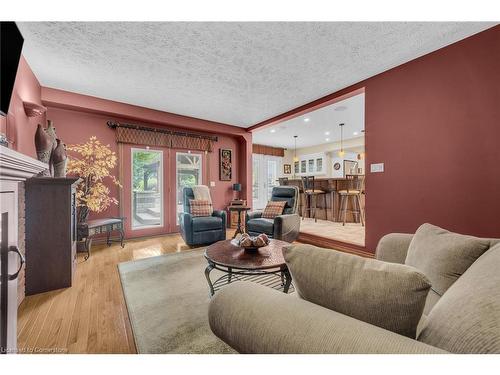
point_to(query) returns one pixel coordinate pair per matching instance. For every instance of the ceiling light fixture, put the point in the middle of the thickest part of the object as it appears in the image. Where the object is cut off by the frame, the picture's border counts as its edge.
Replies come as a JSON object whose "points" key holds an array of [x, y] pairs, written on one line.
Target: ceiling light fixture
{"points": [[273, 130], [327, 139], [307, 119], [341, 152], [327, 133], [355, 133]]}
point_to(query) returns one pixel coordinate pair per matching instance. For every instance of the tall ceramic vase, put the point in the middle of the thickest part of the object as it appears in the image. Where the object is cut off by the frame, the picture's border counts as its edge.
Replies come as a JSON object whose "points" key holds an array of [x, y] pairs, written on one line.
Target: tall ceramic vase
{"points": [[59, 159], [44, 144]]}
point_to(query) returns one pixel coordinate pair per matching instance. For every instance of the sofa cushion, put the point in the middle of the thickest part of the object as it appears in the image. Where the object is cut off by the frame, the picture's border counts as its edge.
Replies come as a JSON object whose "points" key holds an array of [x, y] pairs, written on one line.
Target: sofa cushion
{"points": [[203, 223], [388, 295], [466, 319], [442, 255], [261, 225]]}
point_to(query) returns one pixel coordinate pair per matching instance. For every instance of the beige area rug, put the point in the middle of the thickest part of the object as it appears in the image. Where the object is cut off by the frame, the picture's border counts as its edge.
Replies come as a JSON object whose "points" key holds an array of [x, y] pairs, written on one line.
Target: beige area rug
{"points": [[167, 300]]}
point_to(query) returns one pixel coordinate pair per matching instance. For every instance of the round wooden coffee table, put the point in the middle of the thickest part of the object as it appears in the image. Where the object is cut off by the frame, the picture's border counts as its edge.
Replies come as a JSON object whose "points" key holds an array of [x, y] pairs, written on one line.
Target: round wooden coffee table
{"points": [[265, 266]]}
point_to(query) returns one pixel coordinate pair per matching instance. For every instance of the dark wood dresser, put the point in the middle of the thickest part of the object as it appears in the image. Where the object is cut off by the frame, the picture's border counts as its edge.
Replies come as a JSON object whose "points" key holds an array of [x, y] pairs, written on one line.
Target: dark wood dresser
{"points": [[50, 233]]}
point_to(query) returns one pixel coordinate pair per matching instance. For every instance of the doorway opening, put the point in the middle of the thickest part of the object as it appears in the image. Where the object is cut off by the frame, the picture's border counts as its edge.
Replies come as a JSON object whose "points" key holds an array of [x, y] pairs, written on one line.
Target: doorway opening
{"points": [[327, 146]]}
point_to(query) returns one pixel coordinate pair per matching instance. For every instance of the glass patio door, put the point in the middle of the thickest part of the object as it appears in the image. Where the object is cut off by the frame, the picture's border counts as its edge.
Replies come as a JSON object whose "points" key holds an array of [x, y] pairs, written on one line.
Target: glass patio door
{"points": [[265, 171], [188, 172], [147, 188]]}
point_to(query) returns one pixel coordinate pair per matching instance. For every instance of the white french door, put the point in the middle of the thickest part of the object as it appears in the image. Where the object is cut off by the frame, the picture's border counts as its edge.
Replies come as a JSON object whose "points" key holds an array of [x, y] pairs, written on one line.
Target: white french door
{"points": [[265, 172], [188, 172]]}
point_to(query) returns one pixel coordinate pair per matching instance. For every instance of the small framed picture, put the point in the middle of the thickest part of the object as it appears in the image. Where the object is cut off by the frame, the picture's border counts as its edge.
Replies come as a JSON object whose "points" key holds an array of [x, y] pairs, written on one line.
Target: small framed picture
{"points": [[287, 168], [225, 164]]}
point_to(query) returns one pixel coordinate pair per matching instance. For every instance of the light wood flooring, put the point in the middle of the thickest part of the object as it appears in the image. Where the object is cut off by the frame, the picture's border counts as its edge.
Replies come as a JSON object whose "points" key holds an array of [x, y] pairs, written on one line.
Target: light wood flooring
{"points": [[350, 232], [91, 316]]}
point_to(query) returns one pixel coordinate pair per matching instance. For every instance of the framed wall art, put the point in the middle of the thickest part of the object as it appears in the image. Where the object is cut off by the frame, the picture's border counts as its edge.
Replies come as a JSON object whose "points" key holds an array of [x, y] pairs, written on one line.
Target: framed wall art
{"points": [[225, 164], [287, 168]]}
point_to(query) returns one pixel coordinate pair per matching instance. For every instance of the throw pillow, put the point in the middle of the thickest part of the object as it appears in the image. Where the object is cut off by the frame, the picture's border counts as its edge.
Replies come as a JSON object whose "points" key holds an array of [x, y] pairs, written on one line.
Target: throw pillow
{"points": [[443, 256], [200, 207], [467, 318], [273, 209], [388, 295]]}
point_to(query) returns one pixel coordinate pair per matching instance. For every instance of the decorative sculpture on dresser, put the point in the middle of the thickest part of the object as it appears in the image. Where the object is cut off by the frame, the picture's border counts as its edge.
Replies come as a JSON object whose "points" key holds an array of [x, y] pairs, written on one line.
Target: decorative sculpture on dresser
{"points": [[44, 144], [51, 151], [59, 159]]}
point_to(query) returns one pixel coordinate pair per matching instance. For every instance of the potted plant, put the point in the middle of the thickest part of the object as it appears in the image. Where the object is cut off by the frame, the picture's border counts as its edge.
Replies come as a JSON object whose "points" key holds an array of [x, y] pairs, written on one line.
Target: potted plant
{"points": [[92, 162]]}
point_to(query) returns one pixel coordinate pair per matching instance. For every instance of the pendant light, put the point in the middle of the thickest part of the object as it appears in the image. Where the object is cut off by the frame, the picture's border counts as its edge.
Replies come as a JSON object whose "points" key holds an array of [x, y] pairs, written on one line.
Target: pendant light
{"points": [[295, 158], [341, 152]]}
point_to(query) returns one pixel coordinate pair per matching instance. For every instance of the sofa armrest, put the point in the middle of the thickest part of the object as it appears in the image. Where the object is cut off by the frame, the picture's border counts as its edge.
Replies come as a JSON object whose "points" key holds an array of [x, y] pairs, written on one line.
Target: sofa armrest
{"points": [[222, 215], [253, 318], [287, 227], [393, 247], [252, 215]]}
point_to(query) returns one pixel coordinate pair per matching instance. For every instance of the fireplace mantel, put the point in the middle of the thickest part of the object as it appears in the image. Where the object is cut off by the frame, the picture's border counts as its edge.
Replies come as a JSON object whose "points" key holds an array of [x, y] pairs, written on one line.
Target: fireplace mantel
{"points": [[15, 166]]}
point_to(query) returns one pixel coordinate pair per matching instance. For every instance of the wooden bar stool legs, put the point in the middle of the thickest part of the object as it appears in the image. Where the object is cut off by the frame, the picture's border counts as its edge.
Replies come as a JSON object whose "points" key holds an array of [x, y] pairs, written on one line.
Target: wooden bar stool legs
{"points": [[310, 204], [357, 210], [333, 206]]}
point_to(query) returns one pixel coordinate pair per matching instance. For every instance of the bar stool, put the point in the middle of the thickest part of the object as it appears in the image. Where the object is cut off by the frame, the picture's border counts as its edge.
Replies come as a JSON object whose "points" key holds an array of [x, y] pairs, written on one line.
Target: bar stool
{"points": [[283, 181], [311, 197], [332, 190], [355, 187]]}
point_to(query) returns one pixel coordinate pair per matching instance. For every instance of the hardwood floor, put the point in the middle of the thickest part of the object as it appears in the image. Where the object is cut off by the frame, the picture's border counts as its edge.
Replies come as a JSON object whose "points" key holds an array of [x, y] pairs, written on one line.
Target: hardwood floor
{"points": [[91, 316]]}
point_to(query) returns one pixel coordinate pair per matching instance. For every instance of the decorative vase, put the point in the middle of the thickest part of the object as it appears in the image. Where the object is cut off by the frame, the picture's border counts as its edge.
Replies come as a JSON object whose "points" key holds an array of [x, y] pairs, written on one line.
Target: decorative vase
{"points": [[43, 145], [59, 159], [51, 131]]}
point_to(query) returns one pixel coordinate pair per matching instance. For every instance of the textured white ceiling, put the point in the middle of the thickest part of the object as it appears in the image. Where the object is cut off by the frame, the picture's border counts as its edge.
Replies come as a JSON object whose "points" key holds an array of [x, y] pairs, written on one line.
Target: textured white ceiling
{"points": [[235, 73], [350, 112]]}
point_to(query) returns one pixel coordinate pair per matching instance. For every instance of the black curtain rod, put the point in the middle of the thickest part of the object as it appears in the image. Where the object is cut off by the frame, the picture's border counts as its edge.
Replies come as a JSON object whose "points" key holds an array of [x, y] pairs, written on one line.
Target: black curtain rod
{"points": [[114, 125]]}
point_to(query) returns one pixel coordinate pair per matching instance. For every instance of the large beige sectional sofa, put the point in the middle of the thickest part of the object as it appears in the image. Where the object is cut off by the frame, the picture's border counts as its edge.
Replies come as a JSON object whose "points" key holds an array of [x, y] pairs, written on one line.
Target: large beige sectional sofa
{"points": [[432, 292]]}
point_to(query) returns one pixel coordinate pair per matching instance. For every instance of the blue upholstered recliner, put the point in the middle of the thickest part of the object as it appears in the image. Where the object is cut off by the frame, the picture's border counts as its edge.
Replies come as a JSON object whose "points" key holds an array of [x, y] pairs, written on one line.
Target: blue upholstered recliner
{"points": [[201, 230], [285, 227]]}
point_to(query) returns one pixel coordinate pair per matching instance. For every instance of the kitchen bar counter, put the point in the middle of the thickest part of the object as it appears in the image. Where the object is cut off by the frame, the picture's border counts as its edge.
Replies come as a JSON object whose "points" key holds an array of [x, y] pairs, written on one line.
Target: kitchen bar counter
{"points": [[328, 185]]}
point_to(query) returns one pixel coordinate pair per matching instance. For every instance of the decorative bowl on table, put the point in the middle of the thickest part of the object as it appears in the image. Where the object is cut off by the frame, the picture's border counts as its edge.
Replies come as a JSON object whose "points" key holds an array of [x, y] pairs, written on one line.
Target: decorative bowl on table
{"points": [[250, 243]]}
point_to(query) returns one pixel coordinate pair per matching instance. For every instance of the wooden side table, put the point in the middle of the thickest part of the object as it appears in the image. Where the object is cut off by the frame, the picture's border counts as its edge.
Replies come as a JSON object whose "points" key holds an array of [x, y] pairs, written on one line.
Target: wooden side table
{"points": [[233, 215], [239, 210], [99, 226]]}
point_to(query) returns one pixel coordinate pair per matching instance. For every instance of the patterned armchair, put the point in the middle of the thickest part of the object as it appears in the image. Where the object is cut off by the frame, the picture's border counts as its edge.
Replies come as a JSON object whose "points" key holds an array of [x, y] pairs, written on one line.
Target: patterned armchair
{"points": [[200, 230]]}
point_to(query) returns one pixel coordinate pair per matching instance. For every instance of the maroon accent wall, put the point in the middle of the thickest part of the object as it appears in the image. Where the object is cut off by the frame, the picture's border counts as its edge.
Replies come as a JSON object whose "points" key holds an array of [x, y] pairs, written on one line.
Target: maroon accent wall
{"points": [[435, 123], [19, 128]]}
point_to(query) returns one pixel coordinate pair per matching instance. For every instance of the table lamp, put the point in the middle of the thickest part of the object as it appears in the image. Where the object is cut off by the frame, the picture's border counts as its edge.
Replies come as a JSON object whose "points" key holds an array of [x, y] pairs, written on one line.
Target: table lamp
{"points": [[236, 188]]}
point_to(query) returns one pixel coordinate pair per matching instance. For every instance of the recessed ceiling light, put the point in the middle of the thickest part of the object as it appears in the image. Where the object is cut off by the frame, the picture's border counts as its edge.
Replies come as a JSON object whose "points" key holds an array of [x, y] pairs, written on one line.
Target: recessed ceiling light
{"points": [[341, 108], [355, 133], [327, 133], [273, 130], [307, 119], [327, 139]]}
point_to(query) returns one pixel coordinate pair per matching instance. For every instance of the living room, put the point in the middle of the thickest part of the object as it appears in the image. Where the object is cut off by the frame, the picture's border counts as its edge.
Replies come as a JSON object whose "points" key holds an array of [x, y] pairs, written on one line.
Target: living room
{"points": [[239, 187]]}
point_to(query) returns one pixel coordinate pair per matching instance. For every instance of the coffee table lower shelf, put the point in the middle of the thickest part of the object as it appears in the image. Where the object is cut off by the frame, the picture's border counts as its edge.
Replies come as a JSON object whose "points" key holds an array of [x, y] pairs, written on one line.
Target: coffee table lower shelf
{"points": [[272, 279]]}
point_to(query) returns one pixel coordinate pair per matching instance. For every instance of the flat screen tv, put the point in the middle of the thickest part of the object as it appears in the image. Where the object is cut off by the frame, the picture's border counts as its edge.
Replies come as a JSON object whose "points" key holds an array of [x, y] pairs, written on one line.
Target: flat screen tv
{"points": [[11, 44]]}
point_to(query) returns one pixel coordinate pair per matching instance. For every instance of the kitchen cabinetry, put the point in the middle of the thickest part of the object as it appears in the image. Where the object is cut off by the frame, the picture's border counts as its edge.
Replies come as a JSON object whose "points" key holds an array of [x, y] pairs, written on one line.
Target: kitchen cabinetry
{"points": [[311, 165]]}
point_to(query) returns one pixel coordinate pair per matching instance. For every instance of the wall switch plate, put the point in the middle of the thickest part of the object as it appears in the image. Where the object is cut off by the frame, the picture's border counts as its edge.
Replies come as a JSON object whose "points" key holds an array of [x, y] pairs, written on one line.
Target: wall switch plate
{"points": [[377, 168], [212, 183]]}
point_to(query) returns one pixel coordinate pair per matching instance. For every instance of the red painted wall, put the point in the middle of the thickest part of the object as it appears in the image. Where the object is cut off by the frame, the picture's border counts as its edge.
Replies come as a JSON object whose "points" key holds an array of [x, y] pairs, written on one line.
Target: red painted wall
{"points": [[77, 117], [435, 123], [19, 128]]}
